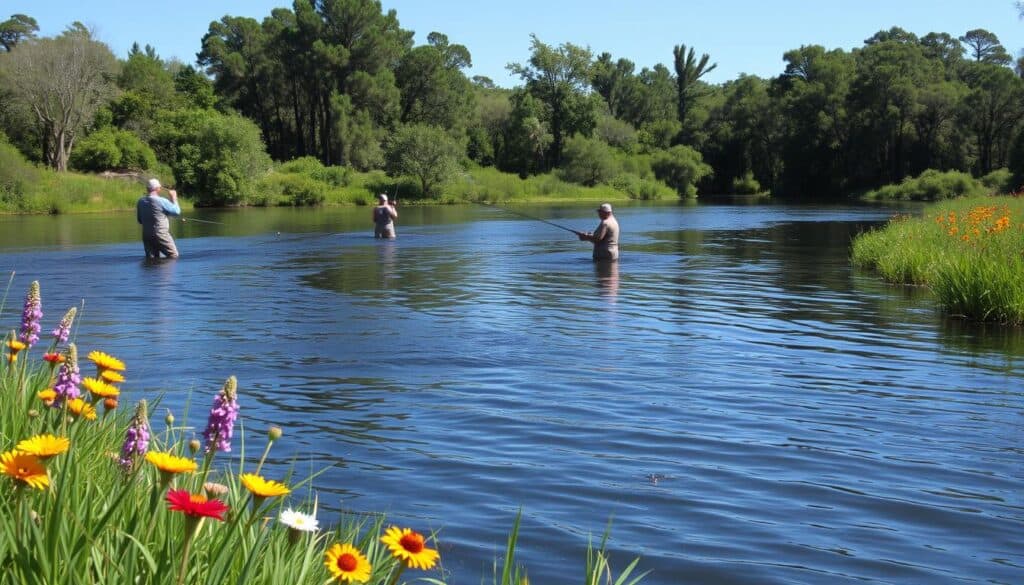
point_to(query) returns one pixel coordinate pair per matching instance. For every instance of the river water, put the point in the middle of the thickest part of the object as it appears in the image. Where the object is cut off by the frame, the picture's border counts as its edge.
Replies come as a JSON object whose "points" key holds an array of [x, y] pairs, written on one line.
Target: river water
{"points": [[741, 404]]}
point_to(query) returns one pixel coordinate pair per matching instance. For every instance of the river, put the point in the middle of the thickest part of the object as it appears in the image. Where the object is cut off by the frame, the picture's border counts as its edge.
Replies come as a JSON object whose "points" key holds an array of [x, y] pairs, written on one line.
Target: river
{"points": [[740, 403]]}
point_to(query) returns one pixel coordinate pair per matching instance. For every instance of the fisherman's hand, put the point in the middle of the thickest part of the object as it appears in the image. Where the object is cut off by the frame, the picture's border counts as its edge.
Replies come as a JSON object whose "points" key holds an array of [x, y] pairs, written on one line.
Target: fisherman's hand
{"points": [[584, 236], [173, 194]]}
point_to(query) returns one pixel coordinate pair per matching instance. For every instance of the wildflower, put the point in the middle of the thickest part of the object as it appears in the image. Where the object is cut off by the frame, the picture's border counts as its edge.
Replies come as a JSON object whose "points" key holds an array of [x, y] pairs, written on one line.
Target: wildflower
{"points": [[347, 564], [274, 433], [195, 505], [100, 389], [63, 329], [81, 409], [194, 445], [47, 396], [111, 377], [31, 315], [105, 362], [110, 403], [262, 488], [54, 358], [68, 378], [44, 446], [299, 521], [15, 346], [408, 546], [170, 464], [24, 467], [214, 489], [221, 422], [136, 440]]}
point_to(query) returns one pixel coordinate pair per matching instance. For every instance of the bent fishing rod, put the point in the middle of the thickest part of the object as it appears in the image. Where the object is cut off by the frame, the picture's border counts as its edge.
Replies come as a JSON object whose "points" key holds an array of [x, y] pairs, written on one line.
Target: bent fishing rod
{"points": [[527, 216]]}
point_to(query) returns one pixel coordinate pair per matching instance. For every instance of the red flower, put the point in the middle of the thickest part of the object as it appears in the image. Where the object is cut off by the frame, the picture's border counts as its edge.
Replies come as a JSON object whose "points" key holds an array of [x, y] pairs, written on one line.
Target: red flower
{"points": [[54, 358], [195, 505]]}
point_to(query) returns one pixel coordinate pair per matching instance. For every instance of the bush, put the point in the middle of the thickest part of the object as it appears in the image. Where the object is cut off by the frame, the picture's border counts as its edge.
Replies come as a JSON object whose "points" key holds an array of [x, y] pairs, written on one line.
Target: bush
{"points": [[931, 185], [587, 161], [998, 181], [746, 185], [680, 167], [112, 149]]}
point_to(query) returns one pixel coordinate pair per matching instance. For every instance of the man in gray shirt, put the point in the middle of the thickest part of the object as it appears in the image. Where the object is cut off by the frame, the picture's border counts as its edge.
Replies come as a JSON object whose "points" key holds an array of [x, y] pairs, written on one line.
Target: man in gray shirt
{"points": [[152, 212], [606, 236]]}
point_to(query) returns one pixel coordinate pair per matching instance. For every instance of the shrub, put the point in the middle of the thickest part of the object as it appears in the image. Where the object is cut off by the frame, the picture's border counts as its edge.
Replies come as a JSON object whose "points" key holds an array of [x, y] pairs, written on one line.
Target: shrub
{"points": [[587, 161], [931, 185], [746, 185], [680, 167], [998, 181]]}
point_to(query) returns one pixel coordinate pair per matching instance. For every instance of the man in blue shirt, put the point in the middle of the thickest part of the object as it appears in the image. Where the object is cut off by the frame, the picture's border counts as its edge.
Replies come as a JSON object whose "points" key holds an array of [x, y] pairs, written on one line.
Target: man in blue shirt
{"points": [[152, 211]]}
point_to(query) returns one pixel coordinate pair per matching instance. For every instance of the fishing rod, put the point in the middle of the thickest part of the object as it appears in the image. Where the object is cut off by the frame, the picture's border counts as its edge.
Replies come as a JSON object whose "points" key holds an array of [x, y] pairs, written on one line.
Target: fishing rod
{"points": [[187, 219], [535, 218]]}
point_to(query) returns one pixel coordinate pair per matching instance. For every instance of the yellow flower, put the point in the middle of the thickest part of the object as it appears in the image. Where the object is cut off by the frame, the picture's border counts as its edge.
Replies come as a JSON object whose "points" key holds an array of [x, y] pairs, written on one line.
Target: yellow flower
{"points": [[263, 488], [15, 345], [82, 409], [168, 463], [100, 388], [106, 362], [47, 396], [25, 468], [347, 564], [111, 377], [408, 547], [44, 446]]}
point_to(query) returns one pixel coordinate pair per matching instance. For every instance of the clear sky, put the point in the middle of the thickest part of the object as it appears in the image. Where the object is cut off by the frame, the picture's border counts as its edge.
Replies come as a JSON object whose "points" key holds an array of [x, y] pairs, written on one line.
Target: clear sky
{"points": [[742, 36]]}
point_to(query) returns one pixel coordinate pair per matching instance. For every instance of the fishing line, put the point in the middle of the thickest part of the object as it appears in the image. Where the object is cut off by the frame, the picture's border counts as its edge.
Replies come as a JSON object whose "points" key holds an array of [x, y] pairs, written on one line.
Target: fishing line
{"points": [[527, 216]]}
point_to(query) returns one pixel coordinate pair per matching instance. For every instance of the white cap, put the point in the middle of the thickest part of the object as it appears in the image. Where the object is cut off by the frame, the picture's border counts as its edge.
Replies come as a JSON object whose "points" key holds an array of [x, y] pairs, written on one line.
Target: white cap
{"points": [[383, 197], [605, 207], [153, 184]]}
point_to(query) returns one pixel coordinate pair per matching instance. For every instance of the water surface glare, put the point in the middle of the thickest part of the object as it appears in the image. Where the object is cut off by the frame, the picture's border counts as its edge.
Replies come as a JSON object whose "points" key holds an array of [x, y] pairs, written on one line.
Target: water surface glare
{"points": [[742, 404]]}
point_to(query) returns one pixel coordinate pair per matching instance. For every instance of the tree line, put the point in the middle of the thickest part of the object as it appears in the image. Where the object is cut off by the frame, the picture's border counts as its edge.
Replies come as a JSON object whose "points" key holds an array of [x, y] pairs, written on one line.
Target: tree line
{"points": [[342, 81]]}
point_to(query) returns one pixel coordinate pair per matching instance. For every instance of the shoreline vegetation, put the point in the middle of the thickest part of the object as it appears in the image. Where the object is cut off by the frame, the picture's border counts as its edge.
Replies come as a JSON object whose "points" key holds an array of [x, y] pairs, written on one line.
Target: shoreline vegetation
{"points": [[969, 252], [95, 491]]}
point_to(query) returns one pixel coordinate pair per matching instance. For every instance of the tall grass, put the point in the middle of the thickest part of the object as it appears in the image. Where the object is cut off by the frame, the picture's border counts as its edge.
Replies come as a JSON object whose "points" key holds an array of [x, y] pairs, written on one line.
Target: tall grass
{"points": [[968, 252], [27, 188], [99, 521]]}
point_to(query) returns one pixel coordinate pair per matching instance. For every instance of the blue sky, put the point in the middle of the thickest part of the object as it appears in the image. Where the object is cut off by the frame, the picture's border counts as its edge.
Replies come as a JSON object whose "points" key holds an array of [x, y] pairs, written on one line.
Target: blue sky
{"points": [[742, 36]]}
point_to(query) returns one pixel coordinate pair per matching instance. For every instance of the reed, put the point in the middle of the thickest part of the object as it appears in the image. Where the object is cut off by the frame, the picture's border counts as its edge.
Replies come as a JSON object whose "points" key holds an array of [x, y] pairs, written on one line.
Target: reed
{"points": [[968, 252], [94, 492]]}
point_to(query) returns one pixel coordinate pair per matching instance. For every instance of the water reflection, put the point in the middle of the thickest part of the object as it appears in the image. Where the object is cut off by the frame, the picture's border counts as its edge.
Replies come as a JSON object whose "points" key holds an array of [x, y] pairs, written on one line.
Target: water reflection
{"points": [[607, 279]]}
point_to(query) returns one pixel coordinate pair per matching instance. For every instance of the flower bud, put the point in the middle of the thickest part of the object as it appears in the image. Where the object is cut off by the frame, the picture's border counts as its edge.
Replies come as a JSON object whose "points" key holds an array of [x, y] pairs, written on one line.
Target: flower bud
{"points": [[110, 403], [194, 445], [169, 419], [274, 433], [33, 413]]}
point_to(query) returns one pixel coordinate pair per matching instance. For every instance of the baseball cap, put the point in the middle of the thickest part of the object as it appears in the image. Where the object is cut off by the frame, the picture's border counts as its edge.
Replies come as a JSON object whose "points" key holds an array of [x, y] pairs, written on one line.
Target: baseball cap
{"points": [[153, 184], [605, 207], [383, 197]]}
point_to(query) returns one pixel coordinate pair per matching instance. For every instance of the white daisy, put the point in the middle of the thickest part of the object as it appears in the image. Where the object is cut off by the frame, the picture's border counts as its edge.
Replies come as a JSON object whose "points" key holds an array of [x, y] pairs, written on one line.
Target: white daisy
{"points": [[299, 521]]}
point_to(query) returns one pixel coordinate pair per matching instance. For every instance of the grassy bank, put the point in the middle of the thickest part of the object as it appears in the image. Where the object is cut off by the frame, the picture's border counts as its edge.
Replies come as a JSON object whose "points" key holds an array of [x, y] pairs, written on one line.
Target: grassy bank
{"points": [[94, 489], [968, 252], [28, 188]]}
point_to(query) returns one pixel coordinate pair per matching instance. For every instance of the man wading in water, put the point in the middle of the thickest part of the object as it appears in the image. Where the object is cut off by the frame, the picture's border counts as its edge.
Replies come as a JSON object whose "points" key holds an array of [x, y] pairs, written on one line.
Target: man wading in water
{"points": [[384, 216], [152, 212], [605, 237]]}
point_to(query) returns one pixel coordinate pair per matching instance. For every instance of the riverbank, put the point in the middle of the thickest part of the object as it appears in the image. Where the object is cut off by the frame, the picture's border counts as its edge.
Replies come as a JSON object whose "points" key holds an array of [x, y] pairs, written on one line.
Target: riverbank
{"points": [[968, 252]]}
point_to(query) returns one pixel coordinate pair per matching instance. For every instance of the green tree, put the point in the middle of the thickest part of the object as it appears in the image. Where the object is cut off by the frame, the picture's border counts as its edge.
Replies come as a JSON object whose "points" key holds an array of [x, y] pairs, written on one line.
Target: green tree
{"points": [[681, 168], [64, 81], [814, 89], [559, 79], [588, 161], [433, 88], [689, 70], [427, 153], [112, 149], [991, 112], [16, 29], [217, 157], [983, 46]]}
